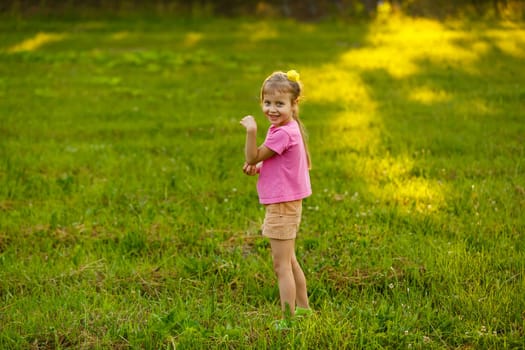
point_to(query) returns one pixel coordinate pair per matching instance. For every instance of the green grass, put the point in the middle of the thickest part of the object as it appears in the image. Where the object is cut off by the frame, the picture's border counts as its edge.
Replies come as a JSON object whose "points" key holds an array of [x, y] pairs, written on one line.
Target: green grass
{"points": [[126, 221]]}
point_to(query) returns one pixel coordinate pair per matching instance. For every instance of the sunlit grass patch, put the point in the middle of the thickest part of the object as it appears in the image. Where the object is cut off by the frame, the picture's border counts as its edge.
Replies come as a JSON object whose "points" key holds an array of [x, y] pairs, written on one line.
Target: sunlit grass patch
{"points": [[119, 35], [337, 84], [34, 43], [429, 96], [396, 181], [192, 39], [260, 31], [399, 46]]}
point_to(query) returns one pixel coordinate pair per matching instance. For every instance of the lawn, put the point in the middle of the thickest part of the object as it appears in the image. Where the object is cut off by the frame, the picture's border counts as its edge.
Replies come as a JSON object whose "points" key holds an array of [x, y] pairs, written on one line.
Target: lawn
{"points": [[126, 220]]}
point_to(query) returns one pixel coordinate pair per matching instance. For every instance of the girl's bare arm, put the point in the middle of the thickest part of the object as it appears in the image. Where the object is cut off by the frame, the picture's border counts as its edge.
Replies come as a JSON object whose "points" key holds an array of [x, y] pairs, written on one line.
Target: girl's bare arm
{"points": [[254, 154]]}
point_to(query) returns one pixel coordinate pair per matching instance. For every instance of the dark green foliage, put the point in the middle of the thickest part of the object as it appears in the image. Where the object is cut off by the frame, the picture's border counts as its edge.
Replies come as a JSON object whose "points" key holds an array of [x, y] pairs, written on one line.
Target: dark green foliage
{"points": [[298, 9]]}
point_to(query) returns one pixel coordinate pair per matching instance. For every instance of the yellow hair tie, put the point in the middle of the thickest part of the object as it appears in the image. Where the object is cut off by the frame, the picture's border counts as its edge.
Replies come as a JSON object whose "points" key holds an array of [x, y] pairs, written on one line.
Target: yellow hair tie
{"points": [[293, 75]]}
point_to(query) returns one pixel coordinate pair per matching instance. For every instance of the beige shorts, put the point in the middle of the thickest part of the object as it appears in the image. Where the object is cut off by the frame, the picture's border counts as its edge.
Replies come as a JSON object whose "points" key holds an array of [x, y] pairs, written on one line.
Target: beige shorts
{"points": [[282, 220]]}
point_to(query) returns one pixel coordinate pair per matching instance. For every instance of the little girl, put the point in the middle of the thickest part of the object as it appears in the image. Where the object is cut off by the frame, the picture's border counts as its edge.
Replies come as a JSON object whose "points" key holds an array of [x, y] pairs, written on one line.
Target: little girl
{"points": [[283, 164]]}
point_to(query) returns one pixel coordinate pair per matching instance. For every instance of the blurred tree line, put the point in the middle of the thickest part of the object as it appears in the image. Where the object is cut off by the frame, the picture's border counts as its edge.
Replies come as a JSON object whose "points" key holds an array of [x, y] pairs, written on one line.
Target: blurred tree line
{"points": [[300, 9]]}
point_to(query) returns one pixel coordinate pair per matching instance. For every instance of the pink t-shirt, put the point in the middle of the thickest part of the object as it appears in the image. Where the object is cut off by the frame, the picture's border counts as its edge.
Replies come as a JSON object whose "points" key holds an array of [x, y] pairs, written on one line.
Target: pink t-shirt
{"points": [[285, 176]]}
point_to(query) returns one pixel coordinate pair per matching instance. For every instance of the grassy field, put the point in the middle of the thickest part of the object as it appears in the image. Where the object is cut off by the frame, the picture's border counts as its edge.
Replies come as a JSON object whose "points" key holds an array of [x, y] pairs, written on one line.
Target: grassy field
{"points": [[126, 221]]}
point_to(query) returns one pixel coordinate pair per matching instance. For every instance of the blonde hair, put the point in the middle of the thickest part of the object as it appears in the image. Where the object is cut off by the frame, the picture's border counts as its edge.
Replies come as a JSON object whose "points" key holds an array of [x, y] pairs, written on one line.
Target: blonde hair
{"points": [[279, 81]]}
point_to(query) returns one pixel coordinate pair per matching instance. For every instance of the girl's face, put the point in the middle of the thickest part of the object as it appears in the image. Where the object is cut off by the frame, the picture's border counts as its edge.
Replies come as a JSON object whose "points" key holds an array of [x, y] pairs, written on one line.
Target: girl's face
{"points": [[278, 107]]}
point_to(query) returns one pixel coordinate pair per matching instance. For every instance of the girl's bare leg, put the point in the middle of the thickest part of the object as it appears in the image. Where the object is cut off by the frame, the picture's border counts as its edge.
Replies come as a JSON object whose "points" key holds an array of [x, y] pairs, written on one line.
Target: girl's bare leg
{"points": [[283, 254], [301, 295]]}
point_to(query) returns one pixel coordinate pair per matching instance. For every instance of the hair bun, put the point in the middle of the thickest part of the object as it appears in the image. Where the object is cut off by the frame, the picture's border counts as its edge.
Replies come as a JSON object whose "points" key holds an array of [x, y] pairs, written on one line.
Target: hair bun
{"points": [[293, 75]]}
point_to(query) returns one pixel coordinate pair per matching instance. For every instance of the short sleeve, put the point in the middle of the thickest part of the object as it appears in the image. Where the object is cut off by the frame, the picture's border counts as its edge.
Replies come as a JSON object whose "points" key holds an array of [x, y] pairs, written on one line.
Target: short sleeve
{"points": [[277, 140]]}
